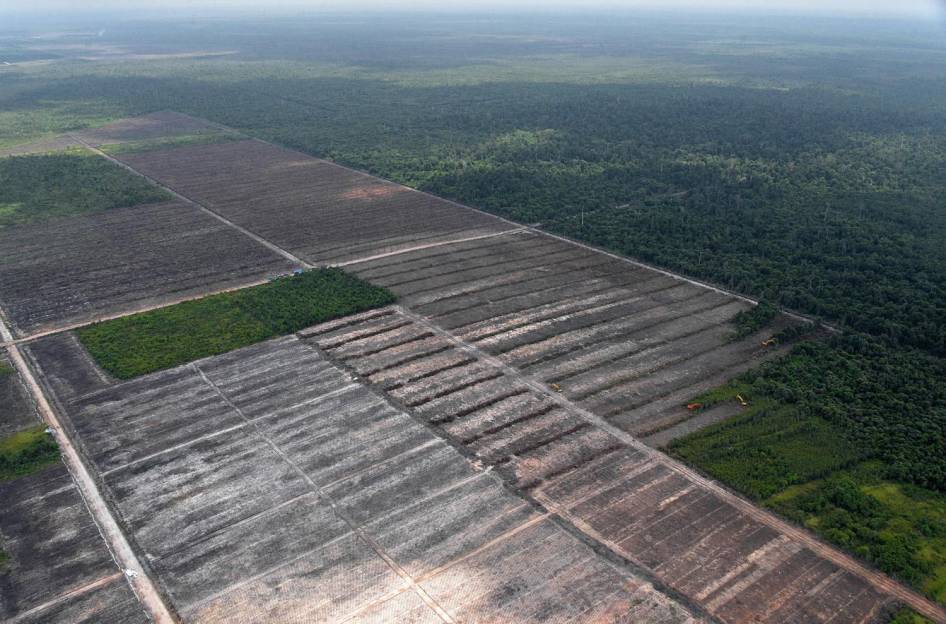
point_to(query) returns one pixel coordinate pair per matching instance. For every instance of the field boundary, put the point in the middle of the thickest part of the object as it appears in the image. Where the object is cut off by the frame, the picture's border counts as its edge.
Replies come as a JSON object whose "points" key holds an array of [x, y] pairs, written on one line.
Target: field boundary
{"points": [[259, 239]]}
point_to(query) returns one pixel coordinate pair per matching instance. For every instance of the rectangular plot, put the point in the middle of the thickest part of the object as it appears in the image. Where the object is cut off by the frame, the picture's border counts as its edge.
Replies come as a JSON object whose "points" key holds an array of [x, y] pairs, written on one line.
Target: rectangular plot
{"points": [[534, 305], [325, 585], [405, 608], [415, 370], [468, 399], [245, 550], [496, 415], [345, 433], [533, 344], [131, 421], [641, 364], [437, 530], [272, 376], [551, 305], [399, 355], [612, 349], [444, 383], [525, 434], [405, 480], [65, 366], [636, 392], [562, 454], [500, 290], [178, 496], [113, 603], [16, 407], [314, 208], [53, 544], [449, 268], [79, 268], [445, 257], [542, 574]]}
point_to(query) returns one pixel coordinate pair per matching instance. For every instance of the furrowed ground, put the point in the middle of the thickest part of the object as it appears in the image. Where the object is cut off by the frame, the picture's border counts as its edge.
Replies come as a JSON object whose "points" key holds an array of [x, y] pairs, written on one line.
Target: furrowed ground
{"points": [[64, 211], [166, 337], [54, 566]]}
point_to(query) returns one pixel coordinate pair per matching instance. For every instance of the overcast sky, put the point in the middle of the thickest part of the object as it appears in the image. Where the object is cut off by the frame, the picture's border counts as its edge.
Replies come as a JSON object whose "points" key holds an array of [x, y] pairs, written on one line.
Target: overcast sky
{"points": [[929, 8]]}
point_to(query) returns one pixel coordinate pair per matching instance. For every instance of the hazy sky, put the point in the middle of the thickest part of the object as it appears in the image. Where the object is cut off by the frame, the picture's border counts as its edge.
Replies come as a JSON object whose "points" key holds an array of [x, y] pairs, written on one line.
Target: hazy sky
{"points": [[859, 7]]}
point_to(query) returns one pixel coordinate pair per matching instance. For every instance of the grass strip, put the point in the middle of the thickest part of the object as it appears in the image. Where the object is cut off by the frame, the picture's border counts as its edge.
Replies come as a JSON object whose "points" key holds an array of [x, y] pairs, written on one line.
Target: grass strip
{"points": [[26, 452], [143, 343]]}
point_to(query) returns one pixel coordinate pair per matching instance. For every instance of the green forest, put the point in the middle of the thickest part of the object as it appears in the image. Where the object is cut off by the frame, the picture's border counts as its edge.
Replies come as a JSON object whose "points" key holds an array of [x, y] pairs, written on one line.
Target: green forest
{"points": [[150, 341], [45, 186]]}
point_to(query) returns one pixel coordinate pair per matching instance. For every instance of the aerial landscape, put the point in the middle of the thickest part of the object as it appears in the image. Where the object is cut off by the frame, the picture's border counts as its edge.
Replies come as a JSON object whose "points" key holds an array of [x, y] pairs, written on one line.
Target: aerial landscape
{"points": [[535, 312]]}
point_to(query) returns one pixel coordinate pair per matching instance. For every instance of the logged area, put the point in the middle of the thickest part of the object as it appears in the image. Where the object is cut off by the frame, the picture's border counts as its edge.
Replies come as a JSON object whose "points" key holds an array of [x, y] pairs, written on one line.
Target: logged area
{"points": [[42, 187], [692, 537], [315, 209], [78, 269], [54, 566], [625, 342], [369, 518], [143, 343]]}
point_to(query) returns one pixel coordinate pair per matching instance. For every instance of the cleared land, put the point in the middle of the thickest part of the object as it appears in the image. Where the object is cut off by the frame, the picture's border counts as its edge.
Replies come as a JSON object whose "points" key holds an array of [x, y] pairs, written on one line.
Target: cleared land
{"points": [[16, 409], [266, 485], [738, 566], [80, 268], [54, 568], [319, 211], [630, 344]]}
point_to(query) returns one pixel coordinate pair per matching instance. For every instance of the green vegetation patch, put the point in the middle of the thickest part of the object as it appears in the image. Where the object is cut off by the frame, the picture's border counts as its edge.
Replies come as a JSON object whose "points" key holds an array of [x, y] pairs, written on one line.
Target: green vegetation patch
{"points": [[752, 320], [5, 369], [909, 616], [40, 187], [26, 452], [163, 338], [765, 449], [135, 147], [844, 437], [898, 527]]}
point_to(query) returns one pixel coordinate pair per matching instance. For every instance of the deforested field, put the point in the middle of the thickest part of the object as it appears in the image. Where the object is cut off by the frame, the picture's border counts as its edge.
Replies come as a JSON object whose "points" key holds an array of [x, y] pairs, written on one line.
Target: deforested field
{"points": [[16, 408], [268, 485], [319, 211], [54, 566], [627, 343], [702, 543], [76, 269]]}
